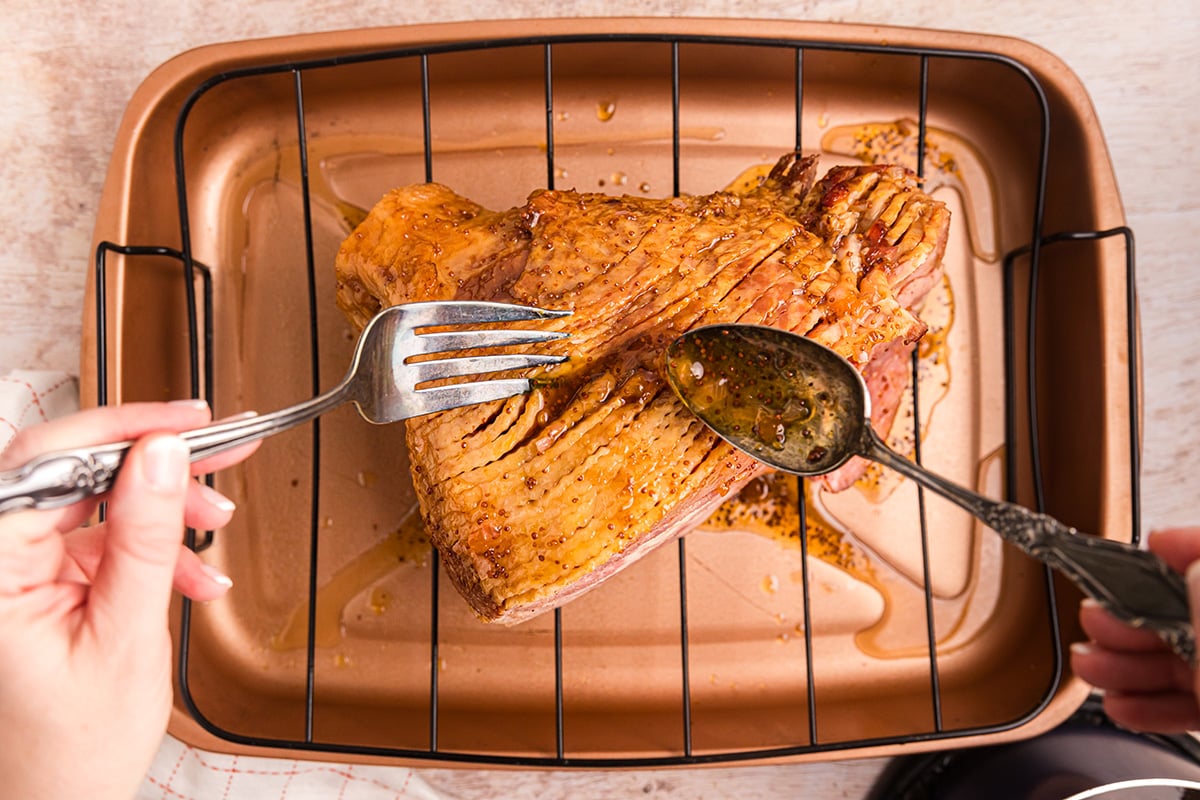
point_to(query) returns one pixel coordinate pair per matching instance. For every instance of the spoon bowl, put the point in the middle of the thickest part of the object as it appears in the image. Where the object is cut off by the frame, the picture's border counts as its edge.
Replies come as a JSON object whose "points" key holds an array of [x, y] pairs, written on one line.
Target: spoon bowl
{"points": [[784, 399], [798, 406]]}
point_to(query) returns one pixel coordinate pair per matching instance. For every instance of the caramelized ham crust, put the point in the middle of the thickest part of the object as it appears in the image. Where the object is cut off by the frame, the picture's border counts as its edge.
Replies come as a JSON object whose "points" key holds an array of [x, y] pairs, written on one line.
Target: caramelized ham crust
{"points": [[534, 500]]}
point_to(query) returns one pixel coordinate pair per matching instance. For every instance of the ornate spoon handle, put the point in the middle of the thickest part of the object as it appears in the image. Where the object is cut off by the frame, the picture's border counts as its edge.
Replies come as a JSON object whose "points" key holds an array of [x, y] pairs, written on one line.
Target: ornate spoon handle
{"points": [[1134, 585]]}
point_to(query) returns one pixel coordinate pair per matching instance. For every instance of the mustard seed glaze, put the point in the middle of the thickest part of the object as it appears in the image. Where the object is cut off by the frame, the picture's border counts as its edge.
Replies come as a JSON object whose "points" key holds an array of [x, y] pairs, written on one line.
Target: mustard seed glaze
{"points": [[782, 405]]}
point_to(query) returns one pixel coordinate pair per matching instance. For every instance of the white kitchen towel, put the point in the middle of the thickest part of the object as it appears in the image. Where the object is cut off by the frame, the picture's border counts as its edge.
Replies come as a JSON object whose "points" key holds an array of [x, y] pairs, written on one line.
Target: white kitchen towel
{"points": [[181, 772], [28, 397]]}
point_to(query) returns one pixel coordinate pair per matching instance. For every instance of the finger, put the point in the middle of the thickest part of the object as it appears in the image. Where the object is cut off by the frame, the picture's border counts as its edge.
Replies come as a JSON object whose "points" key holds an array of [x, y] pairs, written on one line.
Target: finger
{"points": [[197, 580], [1192, 576], [31, 551], [102, 425], [193, 578], [132, 587], [1179, 547], [206, 509], [83, 550], [227, 459], [57, 520], [1111, 633], [1160, 712], [26, 615], [1117, 671], [71, 517]]}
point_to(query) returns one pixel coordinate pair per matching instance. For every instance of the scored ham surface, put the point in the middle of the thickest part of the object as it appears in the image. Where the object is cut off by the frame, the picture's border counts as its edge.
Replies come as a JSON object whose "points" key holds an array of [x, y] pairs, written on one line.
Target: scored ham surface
{"points": [[534, 500]]}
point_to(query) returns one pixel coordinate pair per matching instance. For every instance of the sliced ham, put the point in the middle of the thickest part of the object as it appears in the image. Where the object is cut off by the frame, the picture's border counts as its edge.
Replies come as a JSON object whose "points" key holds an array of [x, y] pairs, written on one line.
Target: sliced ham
{"points": [[535, 500]]}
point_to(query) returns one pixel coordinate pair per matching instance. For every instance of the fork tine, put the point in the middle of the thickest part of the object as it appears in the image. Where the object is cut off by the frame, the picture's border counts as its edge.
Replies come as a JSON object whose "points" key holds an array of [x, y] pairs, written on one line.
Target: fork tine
{"points": [[465, 340], [460, 312], [476, 365], [444, 398]]}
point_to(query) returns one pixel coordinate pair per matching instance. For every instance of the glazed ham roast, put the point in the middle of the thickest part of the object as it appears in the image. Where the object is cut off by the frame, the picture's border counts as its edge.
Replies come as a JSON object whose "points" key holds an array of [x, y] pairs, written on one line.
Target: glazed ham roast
{"points": [[534, 500]]}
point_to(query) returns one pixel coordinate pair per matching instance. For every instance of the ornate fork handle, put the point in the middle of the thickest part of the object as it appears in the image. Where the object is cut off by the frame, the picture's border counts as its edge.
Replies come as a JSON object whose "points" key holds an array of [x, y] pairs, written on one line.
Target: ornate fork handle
{"points": [[63, 477], [380, 381], [1134, 585]]}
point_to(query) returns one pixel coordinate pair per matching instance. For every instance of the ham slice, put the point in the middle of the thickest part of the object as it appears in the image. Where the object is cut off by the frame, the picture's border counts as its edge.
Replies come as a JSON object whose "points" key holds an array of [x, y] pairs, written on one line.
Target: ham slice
{"points": [[534, 500]]}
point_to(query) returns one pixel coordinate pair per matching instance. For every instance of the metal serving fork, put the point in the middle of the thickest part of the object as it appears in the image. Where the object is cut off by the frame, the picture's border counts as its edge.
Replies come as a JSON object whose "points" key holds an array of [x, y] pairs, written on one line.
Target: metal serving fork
{"points": [[380, 382]]}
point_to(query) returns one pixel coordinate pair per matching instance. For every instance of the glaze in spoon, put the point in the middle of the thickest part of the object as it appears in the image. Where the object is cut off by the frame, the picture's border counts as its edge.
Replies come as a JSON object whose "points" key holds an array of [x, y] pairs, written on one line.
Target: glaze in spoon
{"points": [[798, 406]]}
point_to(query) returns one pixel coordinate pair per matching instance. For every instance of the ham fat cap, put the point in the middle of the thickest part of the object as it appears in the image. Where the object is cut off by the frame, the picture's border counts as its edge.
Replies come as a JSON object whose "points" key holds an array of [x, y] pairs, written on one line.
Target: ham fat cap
{"points": [[534, 500]]}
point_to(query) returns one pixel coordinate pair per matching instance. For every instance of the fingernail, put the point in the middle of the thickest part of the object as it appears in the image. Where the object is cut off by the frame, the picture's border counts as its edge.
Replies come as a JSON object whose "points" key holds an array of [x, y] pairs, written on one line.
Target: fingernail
{"points": [[165, 463], [1090, 602], [217, 576], [215, 498], [1082, 648], [198, 405]]}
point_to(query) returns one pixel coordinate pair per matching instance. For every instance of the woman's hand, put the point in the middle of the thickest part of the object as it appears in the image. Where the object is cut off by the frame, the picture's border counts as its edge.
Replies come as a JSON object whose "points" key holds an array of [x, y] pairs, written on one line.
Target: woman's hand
{"points": [[85, 654], [1146, 686]]}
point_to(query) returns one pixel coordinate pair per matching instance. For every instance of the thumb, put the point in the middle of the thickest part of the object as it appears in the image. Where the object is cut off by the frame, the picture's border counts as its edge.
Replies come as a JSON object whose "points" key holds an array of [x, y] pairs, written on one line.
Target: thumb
{"points": [[132, 588], [1193, 582], [1179, 547]]}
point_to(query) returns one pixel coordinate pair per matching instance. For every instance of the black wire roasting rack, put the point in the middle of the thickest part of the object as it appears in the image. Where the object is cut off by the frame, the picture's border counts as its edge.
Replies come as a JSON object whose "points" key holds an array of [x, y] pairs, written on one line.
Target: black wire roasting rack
{"points": [[1023, 270]]}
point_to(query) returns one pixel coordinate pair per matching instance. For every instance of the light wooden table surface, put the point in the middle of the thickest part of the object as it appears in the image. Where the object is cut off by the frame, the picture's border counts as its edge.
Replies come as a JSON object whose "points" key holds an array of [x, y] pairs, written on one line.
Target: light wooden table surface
{"points": [[67, 75]]}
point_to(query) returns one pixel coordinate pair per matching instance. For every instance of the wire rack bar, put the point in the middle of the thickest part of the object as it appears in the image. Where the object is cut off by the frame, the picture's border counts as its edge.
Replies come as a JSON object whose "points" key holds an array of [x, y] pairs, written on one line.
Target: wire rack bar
{"points": [[559, 714], [810, 687], [434, 557], [315, 387], [685, 677], [935, 691]]}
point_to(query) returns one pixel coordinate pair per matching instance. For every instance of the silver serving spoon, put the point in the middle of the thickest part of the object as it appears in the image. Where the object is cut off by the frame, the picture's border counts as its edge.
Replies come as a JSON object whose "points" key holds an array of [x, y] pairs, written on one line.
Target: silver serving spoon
{"points": [[798, 406]]}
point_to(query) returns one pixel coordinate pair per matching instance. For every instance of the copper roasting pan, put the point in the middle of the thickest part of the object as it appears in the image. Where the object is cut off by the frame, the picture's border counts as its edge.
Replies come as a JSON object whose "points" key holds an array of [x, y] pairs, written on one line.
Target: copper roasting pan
{"points": [[896, 624]]}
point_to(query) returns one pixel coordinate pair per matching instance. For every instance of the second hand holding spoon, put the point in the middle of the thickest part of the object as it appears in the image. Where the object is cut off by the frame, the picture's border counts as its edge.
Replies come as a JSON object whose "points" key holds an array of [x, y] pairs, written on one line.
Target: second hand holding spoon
{"points": [[798, 406]]}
